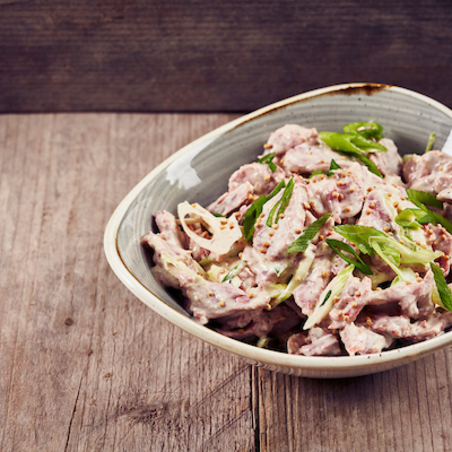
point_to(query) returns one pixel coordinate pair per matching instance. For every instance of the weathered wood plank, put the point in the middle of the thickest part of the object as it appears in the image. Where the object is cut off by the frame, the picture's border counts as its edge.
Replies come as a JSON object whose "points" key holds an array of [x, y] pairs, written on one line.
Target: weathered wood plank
{"points": [[85, 365], [399, 410], [176, 55]]}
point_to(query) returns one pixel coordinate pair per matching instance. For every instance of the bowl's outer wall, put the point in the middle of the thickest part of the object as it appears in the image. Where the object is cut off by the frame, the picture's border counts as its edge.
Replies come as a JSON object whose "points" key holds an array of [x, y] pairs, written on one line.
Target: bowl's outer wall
{"points": [[201, 173]]}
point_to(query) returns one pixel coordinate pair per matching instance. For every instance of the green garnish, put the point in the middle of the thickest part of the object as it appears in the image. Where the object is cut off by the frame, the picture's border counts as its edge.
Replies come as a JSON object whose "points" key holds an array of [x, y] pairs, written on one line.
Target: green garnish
{"points": [[337, 245], [315, 173], [252, 214], [408, 218], [371, 165], [218, 215], [421, 199], [445, 294], [301, 243], [360, 236], [234, 271], [357, 141], [335, 286], [429, 199], [371, 241], [326, 298], [431, 142], [268, 160], [365, 129], [350, 143], [407, 157], [281, 204], [263, 342], [333, 166]]}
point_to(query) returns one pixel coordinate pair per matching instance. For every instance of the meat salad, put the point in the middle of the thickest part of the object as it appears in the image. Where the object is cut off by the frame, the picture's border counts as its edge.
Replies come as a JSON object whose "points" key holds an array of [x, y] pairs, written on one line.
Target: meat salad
{"points": [[329, 244]]}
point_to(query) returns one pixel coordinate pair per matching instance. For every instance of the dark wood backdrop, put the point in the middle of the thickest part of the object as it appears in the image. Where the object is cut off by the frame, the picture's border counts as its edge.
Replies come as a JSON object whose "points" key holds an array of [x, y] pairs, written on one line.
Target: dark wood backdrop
{"points": [[219, 55]]}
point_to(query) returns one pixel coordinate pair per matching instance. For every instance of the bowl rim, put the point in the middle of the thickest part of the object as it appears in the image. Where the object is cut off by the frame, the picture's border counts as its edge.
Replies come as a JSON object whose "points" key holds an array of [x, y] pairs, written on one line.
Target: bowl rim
{"points": [[336, 364]]}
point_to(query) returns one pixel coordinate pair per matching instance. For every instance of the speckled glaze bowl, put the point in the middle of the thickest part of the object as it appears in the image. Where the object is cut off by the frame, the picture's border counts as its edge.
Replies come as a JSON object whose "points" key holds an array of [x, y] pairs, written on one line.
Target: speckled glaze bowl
{"points": [[200, 171]]}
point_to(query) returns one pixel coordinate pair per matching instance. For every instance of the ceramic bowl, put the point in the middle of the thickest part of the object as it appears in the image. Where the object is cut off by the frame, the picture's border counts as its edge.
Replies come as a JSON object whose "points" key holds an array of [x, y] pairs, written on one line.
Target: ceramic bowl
{"points": [[200, 171]]}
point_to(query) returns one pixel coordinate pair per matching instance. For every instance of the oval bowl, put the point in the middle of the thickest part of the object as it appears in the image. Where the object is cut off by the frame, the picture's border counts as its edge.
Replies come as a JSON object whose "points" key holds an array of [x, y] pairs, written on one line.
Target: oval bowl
{"points": [[200, 171]]}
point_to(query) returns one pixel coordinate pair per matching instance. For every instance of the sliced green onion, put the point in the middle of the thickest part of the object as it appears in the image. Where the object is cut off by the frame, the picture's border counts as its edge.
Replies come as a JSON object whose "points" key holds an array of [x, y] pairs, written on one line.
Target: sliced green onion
{"points": [[407, 157], [252, 214], [431, 142], [350, 143], [415, 197], [326, 298], [281, 204], [234, 271], [219, 215], [315, 173], [408, 218], [285, 198], [428, 199], [333, 166], [359, 235], [366, 129], [268, 160], [302, 242], [444, 291], [263, 342], [337, 245], [371, 165], [371, 241], [335, 286]]}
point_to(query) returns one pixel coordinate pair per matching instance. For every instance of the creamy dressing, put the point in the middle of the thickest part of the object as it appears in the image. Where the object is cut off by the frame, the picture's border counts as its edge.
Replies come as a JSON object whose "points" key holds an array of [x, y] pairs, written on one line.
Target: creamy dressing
{"points": [[313, 302]]}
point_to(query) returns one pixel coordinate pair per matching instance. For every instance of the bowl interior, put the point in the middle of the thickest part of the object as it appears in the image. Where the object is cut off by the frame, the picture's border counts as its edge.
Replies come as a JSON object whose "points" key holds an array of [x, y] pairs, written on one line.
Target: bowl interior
{"points": [[200, 171]]}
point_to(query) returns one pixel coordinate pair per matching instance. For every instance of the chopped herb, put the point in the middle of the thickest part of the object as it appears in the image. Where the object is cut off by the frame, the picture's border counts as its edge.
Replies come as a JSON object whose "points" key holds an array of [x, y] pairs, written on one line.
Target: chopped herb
{"points": [[252, 214], [218, 215], [337, 245], [281, 204], [268, 160], [334, 165], [301, 243], [445, 294], [431, 142]]}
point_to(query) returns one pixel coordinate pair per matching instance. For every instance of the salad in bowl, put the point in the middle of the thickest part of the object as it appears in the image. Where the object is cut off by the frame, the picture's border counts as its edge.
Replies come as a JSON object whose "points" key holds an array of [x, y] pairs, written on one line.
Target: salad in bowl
{"points": [[328, 244]]}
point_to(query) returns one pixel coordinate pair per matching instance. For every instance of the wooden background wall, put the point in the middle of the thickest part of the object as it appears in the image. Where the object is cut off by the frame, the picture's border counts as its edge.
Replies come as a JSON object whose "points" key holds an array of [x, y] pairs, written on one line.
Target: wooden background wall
{"points": [[219, 55]]}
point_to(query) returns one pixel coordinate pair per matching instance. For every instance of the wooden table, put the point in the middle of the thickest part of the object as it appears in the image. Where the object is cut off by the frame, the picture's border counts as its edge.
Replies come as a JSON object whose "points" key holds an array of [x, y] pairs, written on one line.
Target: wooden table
{"points": [[85, 366]]}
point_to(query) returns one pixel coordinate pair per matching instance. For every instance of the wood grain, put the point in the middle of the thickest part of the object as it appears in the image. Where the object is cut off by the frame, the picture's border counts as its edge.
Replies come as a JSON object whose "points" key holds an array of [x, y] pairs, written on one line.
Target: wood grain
{"points": [[85, 366], [230, 55], [399, 410]]}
